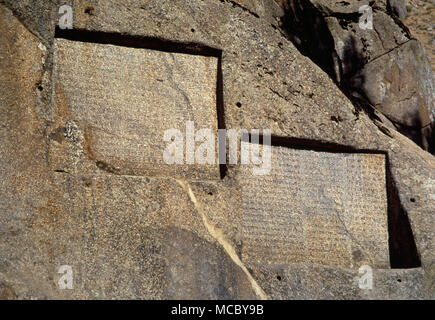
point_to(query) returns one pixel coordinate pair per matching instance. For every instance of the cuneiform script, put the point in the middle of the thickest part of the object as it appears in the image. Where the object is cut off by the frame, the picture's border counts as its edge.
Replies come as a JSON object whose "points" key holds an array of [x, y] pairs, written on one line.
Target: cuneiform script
{"points": [[123, 99], [316, 207]]}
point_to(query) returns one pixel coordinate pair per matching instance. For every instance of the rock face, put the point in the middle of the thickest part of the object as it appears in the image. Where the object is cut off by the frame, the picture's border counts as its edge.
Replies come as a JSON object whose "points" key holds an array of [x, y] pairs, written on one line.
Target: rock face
{"points": [[381, 67], [419, 20], [398, 84], [398, 8], [158, 91], [317, 207], [83, 184]]}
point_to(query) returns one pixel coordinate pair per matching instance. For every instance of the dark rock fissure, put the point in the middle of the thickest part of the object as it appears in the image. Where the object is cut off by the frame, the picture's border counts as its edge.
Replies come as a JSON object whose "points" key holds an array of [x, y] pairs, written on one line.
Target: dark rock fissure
{"points": [[312, 145], [237, 5]]}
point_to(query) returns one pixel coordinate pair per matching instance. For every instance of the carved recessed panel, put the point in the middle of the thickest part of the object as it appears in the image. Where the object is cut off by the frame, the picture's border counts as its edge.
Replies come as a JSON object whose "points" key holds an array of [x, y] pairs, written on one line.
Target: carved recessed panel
{"points": [[114, 103], [316, 207]]}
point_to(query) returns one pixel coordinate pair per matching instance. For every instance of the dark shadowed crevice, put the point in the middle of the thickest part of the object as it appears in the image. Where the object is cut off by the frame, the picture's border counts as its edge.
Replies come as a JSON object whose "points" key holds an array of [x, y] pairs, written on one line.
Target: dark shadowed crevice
{"points": [[429, 131], [238, 5], [142, 42], [308, 30], [220, 109], [403, 250], [412, 132]]}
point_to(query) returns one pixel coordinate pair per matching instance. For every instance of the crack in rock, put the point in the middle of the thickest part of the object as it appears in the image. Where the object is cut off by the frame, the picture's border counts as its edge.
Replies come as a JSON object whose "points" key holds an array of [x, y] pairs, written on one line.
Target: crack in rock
{"points": [[220, 237]]}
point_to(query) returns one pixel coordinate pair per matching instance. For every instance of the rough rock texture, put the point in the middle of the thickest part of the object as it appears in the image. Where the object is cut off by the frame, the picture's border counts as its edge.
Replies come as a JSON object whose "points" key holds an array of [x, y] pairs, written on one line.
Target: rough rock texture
{"points": [[398, 8], [147, 236], [382, 68], [158, 91], [316, 207], [420, 21], [330, 7], [396, 83]]}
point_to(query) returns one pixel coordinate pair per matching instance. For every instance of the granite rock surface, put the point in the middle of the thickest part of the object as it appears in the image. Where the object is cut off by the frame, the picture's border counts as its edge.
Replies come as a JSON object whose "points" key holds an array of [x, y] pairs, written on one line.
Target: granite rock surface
{"points": [[129, 232]]}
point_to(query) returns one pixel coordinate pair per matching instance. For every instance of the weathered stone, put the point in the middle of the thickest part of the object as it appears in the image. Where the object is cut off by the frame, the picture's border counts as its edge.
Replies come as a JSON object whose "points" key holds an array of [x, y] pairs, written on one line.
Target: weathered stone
{"points": [[398, 8], [39, 17], [399, 85], [346, 51], [330, 7], [117, 102], [316, 207], [265, 9], [148, 237], [137, 237], [356, 47], [25, 181], [281, 281], [369, 44], [420, 23]]}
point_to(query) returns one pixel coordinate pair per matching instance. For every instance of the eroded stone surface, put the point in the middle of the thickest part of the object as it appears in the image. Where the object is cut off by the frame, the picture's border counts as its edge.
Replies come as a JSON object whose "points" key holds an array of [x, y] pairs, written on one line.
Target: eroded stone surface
{"points": [[295, 280], [116, 103], [316, 207], [381, 67], [329, 7], [136, 237], [399, 84]]}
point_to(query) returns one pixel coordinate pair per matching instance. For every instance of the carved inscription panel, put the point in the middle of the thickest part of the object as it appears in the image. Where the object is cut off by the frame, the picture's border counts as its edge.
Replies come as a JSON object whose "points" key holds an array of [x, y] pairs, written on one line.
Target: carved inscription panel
{"points": [[316, 207], [120, 101]]}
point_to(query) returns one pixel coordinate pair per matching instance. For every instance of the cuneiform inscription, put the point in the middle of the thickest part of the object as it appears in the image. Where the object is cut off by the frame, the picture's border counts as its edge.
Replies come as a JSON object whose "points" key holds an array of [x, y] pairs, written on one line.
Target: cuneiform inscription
{"points": [[123, 99], [316, 207]]}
